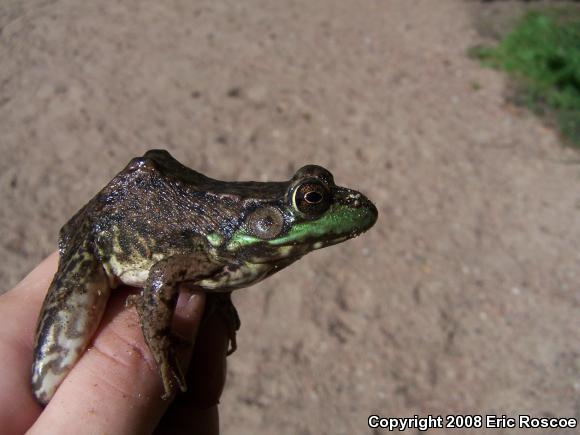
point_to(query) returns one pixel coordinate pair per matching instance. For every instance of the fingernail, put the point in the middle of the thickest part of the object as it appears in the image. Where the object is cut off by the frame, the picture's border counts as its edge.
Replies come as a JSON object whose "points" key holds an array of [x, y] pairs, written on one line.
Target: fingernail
{"points": [[188, 312]]}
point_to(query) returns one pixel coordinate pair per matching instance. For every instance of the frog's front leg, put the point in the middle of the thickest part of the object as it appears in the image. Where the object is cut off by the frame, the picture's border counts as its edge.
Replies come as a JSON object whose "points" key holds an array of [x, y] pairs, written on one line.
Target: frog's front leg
{"points": [[156, 305], [70, 315]]}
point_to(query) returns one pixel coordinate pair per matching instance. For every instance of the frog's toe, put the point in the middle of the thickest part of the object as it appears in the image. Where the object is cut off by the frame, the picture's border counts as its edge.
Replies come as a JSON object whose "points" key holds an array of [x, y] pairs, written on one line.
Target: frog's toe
{"points": [[233, 343], [180, 378], [174, 363], [170, 373], [131, 301]]}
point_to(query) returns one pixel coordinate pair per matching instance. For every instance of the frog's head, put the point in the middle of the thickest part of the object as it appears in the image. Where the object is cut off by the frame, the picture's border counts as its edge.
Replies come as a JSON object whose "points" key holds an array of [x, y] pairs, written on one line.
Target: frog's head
{"points": [[309, 212]]}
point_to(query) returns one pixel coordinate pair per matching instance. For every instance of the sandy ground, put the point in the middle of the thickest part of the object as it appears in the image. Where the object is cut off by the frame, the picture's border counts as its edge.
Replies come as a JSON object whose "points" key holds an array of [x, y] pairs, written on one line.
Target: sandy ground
{"points": [[463, 299]]}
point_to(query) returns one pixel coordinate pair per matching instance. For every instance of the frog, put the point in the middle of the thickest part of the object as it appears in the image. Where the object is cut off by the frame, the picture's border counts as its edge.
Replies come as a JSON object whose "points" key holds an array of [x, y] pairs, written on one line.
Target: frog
{"points": [[159, 224]]}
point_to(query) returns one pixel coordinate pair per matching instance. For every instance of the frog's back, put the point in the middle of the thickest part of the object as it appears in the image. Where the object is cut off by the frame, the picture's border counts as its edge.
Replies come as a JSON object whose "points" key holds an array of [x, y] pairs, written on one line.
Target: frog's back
{"points": [[152, 209]]}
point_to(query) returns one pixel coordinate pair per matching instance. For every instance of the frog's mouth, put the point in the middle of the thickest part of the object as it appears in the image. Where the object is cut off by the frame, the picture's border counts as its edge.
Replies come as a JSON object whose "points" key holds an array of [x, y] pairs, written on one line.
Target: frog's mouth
{"points": [[277, 255]]}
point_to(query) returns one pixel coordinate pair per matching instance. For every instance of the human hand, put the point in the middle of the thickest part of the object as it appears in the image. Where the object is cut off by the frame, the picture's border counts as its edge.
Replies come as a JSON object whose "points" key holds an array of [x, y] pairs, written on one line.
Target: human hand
{"points": [[115, 387]]}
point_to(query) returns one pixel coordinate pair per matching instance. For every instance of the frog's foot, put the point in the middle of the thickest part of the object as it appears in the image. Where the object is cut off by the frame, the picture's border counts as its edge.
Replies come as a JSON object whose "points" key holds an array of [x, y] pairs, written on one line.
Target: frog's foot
{"points": [[162, 344], [221, 303], [171, 370], [169, 367], [156, 305], [70, 315]]}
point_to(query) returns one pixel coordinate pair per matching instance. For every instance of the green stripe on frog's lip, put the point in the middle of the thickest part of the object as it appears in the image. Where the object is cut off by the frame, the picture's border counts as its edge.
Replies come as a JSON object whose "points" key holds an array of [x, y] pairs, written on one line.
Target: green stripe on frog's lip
{"points": [[241, 239], [339, 223], [215, 239]]}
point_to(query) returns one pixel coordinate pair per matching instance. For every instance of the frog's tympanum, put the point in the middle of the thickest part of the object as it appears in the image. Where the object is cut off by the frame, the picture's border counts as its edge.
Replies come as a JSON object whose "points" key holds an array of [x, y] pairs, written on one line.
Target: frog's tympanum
{"points": [[158, 224]]}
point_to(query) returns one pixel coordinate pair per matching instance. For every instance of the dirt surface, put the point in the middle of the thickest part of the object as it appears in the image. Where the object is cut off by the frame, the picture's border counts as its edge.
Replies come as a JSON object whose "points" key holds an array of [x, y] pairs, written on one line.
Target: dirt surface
{"points": [[463, 299]]}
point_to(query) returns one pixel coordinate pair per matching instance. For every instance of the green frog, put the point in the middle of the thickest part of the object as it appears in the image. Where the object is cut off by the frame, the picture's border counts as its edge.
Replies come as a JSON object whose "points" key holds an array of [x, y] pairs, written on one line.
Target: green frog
{"points": [[158, 224]]}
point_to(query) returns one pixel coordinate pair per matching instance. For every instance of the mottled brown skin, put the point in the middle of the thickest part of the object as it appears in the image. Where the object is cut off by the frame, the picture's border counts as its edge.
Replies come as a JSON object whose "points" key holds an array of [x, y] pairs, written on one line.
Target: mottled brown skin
{"points": [[158, 224]]}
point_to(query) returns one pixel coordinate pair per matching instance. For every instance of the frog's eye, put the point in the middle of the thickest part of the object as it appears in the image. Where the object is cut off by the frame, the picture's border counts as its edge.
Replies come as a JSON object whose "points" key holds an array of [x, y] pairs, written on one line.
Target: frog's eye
{"points": [[311, 198], [265, 223]]}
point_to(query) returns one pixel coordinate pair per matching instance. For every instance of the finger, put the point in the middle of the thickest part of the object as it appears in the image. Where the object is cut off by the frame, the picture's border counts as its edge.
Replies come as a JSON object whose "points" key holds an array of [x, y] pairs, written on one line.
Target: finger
{"points": [[115, 387], [207, 373], [36, 282], [196, 411], [183, 420], [19, 309], [22, 304]]}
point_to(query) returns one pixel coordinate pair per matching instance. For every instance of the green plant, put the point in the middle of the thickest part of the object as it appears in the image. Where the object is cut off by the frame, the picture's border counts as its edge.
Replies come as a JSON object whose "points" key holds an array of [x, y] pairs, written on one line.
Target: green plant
{"points": [[543, 51]]}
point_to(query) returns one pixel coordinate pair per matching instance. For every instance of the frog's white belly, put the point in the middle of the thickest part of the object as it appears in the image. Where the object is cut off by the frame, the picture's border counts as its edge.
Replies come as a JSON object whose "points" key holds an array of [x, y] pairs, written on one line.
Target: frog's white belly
{"points": [[134, 277], [134, 274]]}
